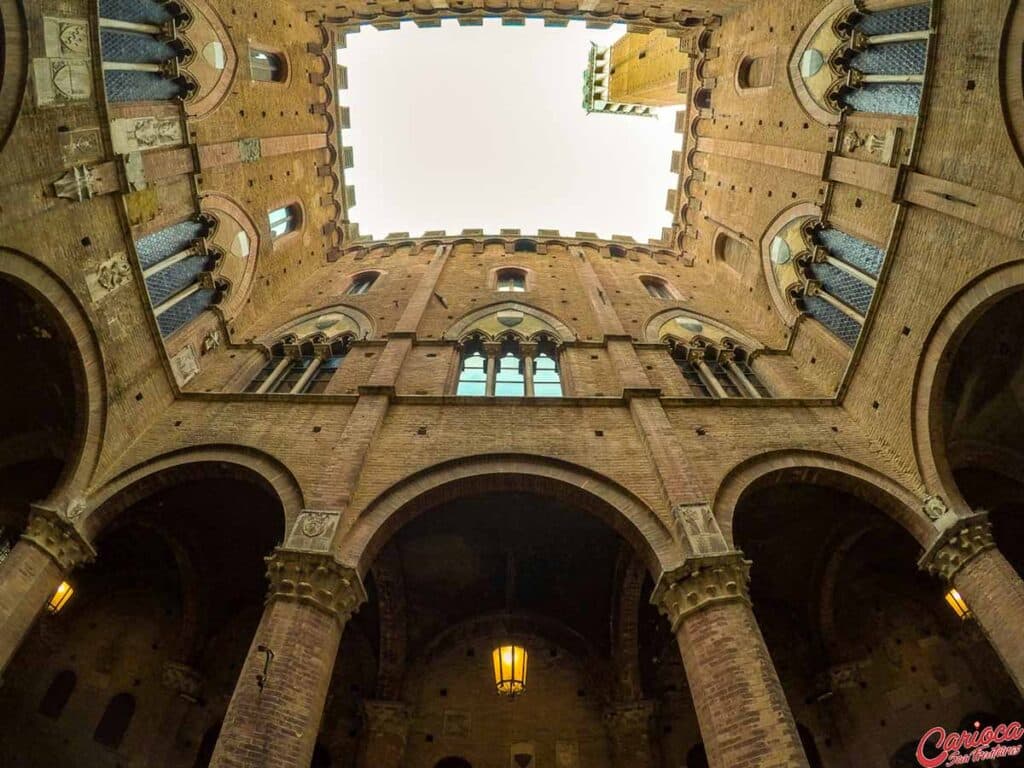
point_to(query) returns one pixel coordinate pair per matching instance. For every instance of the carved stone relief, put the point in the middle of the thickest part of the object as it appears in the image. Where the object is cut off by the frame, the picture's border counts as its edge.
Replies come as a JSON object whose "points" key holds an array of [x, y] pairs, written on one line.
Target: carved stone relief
{"points": [[185, 365], [80, 146], [313, 530], [698, 529], [64, 75], [109, 276], [249, 150], [138, 134]]}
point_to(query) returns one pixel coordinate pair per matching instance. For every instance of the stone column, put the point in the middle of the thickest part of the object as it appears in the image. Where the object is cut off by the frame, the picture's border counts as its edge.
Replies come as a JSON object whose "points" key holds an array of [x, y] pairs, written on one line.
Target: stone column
{"points": [[630, 732], [275, 710], [49, 548], [492, 349], [385, 729], [742, 711], [966, 558], [528, 350]]}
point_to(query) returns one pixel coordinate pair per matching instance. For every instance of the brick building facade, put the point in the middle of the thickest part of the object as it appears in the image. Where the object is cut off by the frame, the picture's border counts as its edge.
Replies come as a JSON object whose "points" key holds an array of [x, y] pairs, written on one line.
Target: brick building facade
{"points": [[302, 482]]}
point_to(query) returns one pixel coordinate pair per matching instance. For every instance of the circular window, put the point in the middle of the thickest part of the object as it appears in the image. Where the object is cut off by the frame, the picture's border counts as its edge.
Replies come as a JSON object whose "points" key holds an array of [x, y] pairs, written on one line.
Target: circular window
{"points": [[811, 63], [780, 252]]}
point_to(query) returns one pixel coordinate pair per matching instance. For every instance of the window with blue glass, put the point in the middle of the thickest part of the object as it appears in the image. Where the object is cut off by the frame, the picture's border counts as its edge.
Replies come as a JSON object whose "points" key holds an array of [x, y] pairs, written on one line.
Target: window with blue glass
{"points": [[509, 367], [283, 220]]}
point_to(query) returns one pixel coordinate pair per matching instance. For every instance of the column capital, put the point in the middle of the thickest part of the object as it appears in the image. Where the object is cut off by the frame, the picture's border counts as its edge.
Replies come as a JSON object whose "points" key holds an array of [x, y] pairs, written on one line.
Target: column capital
{"points": [[386, 718], [957, 545], [316, 579], [701, 582], [58, 538], [528, 348], [492, 348]]}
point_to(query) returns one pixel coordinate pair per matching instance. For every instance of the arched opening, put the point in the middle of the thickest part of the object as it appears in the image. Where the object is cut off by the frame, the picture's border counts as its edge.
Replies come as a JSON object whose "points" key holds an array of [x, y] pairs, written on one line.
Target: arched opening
{"points": [[511, 560], [868, 653], [57, 695], [165, 613], [453, 762], [38, 406], [982, 421], [755, 72]]}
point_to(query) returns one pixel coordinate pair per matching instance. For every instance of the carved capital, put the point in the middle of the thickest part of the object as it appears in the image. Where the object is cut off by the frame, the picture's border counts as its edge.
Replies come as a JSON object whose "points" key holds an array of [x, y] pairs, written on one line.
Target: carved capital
{"points": [[315, 579], [183, 680], [957, 546], [58, 538], [700, 583], [386, 718]]}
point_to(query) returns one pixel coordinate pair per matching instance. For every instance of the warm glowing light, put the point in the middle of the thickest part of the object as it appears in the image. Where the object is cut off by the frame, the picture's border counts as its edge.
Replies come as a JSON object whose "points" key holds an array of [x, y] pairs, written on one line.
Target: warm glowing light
{"points": [[958, 604], [510, 669], [60, 597]]}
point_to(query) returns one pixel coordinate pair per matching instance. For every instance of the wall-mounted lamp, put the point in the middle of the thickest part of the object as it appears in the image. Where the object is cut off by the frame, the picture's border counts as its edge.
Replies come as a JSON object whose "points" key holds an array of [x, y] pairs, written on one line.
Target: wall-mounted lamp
{"points": [[60, 597], [958, 604]]}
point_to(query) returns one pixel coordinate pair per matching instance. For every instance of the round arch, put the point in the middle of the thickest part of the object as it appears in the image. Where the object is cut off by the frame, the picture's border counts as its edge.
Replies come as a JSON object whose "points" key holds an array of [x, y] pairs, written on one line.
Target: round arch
{"points": [[887, 495], [86, 363], [574, 485], [955, 321], [107, 502]]}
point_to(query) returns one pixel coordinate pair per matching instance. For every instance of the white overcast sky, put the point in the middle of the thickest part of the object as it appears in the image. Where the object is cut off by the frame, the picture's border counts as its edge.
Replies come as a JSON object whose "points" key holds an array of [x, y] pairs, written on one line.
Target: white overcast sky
{"points": [[483, 128]]}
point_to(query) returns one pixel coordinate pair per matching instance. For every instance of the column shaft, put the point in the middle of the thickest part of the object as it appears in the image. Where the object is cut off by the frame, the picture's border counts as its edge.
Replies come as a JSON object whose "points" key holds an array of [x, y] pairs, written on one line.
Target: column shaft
{"points": [[277, 726], [994, 593], [28, 577]]}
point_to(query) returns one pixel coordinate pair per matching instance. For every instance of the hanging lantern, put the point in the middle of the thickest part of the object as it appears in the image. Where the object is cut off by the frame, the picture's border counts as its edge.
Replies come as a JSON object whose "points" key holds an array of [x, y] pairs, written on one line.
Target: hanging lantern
{"points": [[60, 597], [958, 604], [510, 669]]}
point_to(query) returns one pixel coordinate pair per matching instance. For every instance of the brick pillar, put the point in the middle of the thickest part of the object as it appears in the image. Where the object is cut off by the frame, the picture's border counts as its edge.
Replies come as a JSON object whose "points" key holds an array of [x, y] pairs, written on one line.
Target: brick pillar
{"points": [[385, 728], [965, 557], [49, 548], [630, 733], [741, 708], [275, 710]]}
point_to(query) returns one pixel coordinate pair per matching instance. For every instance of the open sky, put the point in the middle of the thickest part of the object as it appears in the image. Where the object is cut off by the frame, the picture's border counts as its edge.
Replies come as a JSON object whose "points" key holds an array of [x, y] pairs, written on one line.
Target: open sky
{"points": [[483, 128]]}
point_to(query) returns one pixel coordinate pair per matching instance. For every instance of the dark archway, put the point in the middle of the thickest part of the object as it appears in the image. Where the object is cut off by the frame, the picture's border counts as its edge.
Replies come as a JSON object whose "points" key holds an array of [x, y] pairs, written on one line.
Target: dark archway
{"points": [[453, 762], [849, 618]]}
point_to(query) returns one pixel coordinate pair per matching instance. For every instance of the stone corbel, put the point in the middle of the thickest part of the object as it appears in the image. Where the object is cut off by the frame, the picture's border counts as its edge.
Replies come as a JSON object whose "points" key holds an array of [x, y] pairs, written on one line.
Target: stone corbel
{"points": [[57, 536], [315, 579], [957, 545], [700, 583]]}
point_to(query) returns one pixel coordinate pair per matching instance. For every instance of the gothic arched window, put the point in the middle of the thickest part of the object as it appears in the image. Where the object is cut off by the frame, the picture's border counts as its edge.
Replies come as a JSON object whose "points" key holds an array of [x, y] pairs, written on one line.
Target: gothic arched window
{"points": [[300, 368], [713, 366], [472, 370], [115, 721], [510, 367]]}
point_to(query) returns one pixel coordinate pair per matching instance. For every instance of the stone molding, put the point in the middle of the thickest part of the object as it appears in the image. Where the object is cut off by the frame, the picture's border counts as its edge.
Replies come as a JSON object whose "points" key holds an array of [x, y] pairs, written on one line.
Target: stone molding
{"points": [[700, 583], [386, 718], [58, 538], [957, 546], [315, 579]]}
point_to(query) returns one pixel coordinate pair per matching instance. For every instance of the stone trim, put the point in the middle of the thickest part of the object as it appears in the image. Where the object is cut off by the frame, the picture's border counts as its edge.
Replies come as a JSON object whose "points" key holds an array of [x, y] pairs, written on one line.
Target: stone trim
{"points": [[957, 546], [58, 538], [700, 583], [315, 579], [386, 718]]}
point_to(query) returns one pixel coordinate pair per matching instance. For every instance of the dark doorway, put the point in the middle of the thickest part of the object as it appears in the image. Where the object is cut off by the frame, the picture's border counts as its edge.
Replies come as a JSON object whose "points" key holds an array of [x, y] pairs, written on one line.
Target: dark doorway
{"points": [[453, 762]]}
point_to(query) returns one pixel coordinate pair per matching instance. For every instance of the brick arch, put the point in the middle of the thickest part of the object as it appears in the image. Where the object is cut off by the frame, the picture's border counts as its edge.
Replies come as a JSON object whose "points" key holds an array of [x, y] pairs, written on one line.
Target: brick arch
{"points": [[14, 65], [459, 328], [954, 322], [87, 366], [1011, 60], [569, 483], [107, 502], [814, 468]]}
